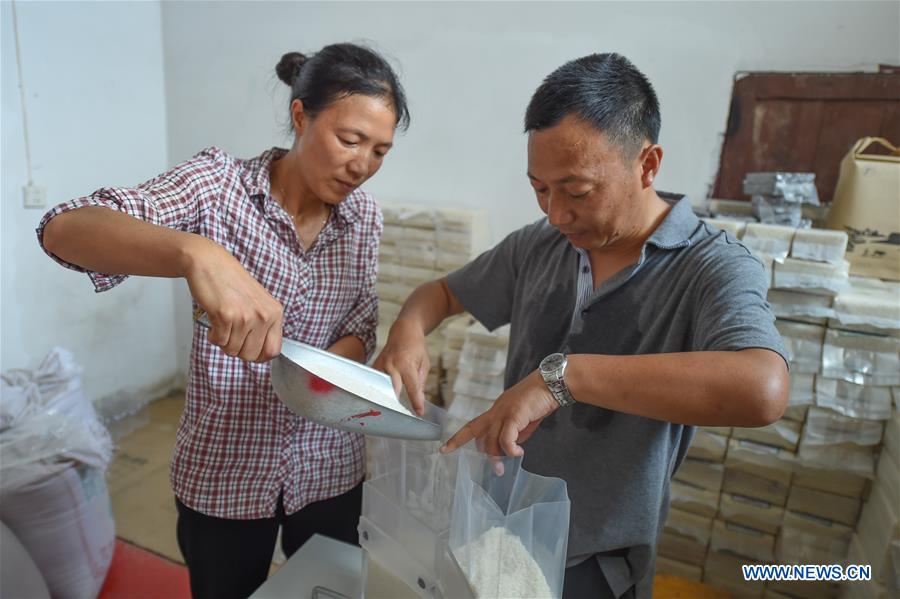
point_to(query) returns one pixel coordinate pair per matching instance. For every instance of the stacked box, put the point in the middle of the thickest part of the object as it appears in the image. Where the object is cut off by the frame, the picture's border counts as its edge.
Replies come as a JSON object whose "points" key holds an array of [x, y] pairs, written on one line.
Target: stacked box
{"points": [[877, 539], [479, 377], [422, 244], [694, 493]]}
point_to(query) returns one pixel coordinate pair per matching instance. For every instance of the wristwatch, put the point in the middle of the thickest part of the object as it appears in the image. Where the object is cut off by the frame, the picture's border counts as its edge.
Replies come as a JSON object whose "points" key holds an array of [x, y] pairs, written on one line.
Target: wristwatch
{"points": [[552, 369]]}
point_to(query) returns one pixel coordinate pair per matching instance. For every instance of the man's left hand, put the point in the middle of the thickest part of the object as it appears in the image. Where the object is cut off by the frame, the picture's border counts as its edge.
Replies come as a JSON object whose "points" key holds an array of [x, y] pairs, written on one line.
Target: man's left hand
{"points": [[510, 421]]}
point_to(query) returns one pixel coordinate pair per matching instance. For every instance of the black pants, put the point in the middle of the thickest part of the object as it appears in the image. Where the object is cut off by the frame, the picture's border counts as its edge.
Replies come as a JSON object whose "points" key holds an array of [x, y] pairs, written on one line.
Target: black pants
{"points": [[231, 558], [586, 581]]}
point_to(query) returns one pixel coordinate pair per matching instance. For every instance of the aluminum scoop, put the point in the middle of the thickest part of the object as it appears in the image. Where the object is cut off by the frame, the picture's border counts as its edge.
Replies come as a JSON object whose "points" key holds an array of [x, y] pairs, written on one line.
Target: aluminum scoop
{"points": [[340, 393]]}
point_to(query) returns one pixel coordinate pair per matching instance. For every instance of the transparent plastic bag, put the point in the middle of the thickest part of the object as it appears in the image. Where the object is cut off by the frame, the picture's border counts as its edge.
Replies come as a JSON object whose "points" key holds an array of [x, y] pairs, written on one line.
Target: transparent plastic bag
{"points": [[57, 424], [509, 528]]}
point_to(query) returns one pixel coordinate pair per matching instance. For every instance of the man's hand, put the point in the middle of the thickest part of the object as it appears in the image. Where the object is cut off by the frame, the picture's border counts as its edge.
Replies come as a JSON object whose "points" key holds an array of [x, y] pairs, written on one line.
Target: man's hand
{"points": [[405, 359], [510, 421], [246, 320]]}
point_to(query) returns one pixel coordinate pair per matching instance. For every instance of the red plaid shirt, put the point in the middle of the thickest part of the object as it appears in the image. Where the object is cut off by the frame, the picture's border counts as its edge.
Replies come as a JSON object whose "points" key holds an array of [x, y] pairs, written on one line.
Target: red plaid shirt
{"points": [[238, 447]]}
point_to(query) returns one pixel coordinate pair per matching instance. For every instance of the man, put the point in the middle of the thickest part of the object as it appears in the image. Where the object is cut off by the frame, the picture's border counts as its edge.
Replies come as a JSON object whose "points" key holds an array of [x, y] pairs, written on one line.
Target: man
{"points": [[631, 321]]}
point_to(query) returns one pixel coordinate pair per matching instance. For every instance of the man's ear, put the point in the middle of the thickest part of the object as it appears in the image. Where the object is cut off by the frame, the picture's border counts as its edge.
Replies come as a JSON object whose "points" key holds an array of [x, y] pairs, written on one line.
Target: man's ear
{"points": [[651, 159]]}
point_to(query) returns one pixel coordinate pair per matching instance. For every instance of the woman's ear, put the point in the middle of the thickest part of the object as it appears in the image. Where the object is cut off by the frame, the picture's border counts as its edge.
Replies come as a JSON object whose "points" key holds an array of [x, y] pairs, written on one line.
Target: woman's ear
{"points": [[298, 117]]}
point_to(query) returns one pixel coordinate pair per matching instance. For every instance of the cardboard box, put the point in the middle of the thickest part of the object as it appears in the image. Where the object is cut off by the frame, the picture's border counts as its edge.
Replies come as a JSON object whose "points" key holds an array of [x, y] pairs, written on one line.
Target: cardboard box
{"points": [[866, 206], [694, 499], [824, 505], [740, 540], [701, 473], [784, 434], [753, 513]]}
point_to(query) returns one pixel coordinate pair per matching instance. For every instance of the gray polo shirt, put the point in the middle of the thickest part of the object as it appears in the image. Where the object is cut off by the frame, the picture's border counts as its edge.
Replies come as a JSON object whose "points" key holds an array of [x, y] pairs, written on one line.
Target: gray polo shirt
{"points": [[694, 288]]}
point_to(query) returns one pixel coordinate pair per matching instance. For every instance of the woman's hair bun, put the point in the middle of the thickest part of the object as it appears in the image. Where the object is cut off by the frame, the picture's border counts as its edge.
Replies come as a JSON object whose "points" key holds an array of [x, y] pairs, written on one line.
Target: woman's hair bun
{"points": [[289, 67]]}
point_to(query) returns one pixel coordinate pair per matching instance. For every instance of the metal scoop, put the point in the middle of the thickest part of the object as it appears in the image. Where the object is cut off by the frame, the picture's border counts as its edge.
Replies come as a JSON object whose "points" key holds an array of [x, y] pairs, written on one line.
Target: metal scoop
{"points": [[340, 393]]}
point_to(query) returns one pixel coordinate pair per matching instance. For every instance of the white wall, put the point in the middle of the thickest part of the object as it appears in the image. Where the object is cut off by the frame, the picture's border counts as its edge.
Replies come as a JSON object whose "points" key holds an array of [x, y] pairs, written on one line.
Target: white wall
{"points": [[93, 75], [470, 67]]}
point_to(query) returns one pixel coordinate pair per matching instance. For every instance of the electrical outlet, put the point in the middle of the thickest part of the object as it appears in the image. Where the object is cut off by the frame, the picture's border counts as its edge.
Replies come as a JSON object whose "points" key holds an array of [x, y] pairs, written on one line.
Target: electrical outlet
{"points": [[35, 196]]}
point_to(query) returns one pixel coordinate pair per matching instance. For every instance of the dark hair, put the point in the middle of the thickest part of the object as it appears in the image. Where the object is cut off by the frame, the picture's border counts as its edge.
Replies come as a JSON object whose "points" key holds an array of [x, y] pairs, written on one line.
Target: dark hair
{"points": [[340, 70], [604, 90]]}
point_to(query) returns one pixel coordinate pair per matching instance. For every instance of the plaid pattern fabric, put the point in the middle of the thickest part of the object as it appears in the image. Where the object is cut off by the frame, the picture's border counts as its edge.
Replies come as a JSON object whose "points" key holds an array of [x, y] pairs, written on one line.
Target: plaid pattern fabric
{"points": [[238, 446]]}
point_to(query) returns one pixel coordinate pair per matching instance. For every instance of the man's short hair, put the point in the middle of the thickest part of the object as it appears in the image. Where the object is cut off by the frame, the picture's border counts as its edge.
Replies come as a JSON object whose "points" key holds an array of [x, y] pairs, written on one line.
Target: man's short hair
{"points": [[606, 91]]}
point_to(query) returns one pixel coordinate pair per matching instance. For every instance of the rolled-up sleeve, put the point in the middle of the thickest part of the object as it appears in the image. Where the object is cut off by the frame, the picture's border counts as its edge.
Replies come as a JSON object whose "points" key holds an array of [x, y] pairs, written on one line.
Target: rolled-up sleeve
{"points": [[362, 319], [176, 199]]}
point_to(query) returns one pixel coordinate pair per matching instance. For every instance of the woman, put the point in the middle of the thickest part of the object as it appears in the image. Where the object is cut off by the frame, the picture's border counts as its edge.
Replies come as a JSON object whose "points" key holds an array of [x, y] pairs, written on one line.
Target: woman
{"points": [[284, 241]]}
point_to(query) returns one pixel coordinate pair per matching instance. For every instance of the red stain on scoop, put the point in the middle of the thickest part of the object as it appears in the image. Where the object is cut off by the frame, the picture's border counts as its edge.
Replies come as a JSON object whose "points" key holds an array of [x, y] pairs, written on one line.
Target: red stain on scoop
{"points": [[369, 413], [317, 385]]}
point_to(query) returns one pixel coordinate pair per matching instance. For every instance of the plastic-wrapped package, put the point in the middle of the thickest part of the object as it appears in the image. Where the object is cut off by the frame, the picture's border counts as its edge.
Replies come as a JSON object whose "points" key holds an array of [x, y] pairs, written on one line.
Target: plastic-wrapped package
{"points": [[412, 252], [793, 187], [391, 234], [870, 302], [801, 546], [467, 407], [824, 427], [690, 525], [708, 446], [393, 292], [856, 401], [855, 459], [772, 240], [803, 344], [820, 245], [486, 359], [802, 307], [861, 358], [751, 512], [803, 391], [478, 384], [741, 540], [508, 531], [811, 277], [387, 252], [777, 211], [783, 433], [693, 499], [735, 227], [701, 473]]}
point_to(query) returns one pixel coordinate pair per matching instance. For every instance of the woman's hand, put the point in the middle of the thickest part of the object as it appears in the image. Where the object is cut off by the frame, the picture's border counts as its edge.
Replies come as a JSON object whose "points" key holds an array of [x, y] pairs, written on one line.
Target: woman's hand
{"points": [[405, 359], [510, 421], [246, 320]]}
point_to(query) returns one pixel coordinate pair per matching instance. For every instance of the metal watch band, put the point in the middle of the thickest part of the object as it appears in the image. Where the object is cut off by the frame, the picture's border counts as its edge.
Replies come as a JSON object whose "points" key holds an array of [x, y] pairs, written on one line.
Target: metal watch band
{"points": [[556, 383]]}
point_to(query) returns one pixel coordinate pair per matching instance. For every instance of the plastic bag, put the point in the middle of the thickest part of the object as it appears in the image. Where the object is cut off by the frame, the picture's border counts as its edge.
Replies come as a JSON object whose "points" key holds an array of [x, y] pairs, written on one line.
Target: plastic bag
{"points": [[65, 523], [509, 528], [415, 506], [50, 424]]}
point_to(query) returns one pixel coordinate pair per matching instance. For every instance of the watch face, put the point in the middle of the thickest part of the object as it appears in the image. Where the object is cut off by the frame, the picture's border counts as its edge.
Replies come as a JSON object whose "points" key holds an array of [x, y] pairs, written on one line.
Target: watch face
{"points": [[552, 362]]}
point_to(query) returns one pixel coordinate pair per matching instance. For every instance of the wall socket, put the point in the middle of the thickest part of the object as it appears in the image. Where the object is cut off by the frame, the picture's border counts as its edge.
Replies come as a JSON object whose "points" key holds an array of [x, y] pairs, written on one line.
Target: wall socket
{"points": [[35, 196]]}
